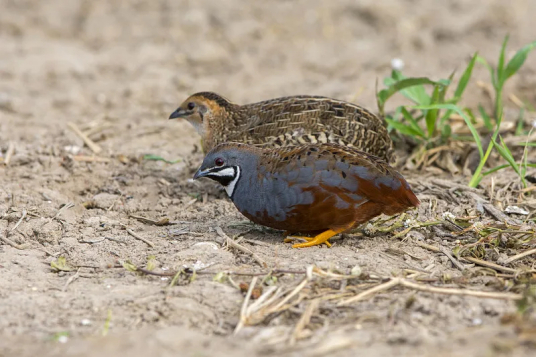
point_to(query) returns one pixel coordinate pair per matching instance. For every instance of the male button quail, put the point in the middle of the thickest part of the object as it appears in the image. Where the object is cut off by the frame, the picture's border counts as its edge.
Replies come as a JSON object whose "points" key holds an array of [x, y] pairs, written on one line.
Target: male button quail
{"points": [[326, 188], [287, 121]]}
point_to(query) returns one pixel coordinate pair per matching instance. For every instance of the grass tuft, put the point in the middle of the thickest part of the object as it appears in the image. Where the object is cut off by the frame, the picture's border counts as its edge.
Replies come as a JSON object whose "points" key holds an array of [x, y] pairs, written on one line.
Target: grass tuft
{"points": [[427, 120]]}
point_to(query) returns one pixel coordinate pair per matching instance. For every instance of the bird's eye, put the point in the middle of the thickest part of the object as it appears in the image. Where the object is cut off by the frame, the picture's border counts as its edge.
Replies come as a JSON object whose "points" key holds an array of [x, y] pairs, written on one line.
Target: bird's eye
{"points": [[218, 161], [191, 106]]}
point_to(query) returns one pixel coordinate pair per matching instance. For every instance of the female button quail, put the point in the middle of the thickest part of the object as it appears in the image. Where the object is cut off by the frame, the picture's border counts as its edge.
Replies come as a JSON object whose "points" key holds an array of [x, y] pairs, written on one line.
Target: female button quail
{"points": [[326, 188], [287, 121]]}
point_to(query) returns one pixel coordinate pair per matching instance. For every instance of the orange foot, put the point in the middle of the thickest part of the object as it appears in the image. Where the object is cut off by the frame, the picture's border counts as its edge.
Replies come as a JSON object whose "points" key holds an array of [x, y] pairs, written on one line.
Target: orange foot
{"points": [[317, 240]]}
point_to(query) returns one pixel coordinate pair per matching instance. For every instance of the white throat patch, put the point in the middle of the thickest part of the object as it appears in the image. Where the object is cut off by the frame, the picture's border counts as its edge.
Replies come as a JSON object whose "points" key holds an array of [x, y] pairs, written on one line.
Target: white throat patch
{"points": [[231, 186], [197, 126]]}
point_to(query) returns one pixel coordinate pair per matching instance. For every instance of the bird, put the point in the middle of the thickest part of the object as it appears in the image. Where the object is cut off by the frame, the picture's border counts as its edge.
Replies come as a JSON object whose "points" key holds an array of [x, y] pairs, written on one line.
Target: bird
{"points": [[320, 189], [285, 121]]}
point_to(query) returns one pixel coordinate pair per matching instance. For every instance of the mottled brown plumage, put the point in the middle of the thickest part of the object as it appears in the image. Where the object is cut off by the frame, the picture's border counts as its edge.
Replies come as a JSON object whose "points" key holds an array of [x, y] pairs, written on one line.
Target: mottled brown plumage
{"points": [[286, 121], [311, 188]]}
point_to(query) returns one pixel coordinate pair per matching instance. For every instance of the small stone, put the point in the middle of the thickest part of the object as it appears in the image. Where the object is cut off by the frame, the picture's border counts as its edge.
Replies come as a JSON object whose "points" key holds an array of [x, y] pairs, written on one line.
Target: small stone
{"points": [[105, 200], [476, 322], [356, 271], [516, 210], [72, 149]]}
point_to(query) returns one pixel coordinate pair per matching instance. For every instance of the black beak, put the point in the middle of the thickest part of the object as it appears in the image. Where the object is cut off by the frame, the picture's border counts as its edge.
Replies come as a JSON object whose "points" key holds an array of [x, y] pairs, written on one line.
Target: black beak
{"points": [[201, 173], [179, 113]]}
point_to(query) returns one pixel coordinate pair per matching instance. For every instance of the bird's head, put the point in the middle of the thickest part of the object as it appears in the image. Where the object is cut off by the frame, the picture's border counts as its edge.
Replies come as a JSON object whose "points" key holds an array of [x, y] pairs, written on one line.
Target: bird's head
{"points": [[226, 164], [201, 110]]}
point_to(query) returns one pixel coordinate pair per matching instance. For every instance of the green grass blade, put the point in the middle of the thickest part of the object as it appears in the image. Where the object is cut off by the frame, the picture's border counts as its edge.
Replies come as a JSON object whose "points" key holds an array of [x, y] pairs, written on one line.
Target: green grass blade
{"points": [[520, 122], [446, 132], [396, 114], [525, 158], [477, 177], [466, 76], [517, 61], [495, 169], [413, 123], [151, 157], [526, 144], [443, 90], [507, 155], [431, 115], [507, 150], [500, 167], [483, 61], [500, 66], [525, 164], [403, 129], [487, 120], [456, 109], [411, 88]]}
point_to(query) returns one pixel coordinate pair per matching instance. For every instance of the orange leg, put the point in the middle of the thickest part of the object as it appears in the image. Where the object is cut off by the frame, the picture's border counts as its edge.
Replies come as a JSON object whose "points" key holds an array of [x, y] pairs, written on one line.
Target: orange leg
{"points": [[317, 240]]}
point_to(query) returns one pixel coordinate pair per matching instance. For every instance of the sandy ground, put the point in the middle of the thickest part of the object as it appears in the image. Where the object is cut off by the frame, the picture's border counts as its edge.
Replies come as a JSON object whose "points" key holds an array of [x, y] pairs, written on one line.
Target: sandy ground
{"points": [[118, 68]]}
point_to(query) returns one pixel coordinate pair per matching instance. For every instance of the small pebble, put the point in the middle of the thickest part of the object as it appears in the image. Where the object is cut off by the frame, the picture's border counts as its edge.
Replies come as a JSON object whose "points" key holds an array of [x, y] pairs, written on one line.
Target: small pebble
{"points": [[356, 271], [476, 322]]}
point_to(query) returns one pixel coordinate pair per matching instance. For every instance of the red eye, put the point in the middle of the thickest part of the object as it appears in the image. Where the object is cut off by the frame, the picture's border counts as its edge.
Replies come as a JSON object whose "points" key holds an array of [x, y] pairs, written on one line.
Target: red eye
{"points": [[219, 161]]}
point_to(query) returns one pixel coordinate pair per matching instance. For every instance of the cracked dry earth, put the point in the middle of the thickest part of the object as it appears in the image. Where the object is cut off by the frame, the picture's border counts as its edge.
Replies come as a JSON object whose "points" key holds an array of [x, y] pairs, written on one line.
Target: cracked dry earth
{"points": [[116, 70]]}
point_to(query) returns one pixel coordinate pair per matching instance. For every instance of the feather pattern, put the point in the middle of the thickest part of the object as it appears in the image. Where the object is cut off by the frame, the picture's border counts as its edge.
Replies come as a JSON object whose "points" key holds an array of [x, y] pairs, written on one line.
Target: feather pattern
{"points": [[290, 121], [313, 187]]}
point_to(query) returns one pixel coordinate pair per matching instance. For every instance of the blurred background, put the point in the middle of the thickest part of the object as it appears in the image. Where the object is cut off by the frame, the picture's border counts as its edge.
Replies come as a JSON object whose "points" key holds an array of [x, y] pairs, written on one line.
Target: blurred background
{"points": [[133, 62]]}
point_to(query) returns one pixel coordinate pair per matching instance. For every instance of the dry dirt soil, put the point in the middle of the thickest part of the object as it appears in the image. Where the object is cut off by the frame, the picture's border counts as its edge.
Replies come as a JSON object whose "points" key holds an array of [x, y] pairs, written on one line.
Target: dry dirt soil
{"points": [[117, 69]]}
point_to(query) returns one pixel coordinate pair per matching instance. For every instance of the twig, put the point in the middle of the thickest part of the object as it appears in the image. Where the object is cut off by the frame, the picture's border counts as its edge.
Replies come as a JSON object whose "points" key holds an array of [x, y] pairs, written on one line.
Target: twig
{"points": [[9, 153], [256, 242], [494, 212], [63, 208], [90, 144], [235, 273], [519, 256], [490, 265], [304, 320], [291, 295], [449, 184], [71, 279], [402, 233], [454, 261], [385, 286], [13, 244], [462, 292], [92, 241], [241, 248], [24, 213], [162, 222], [243, 311], [431, 289], [116, 240], [428, 246], [189, 203], [148, 242], [85, 158], [516, 101]]}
